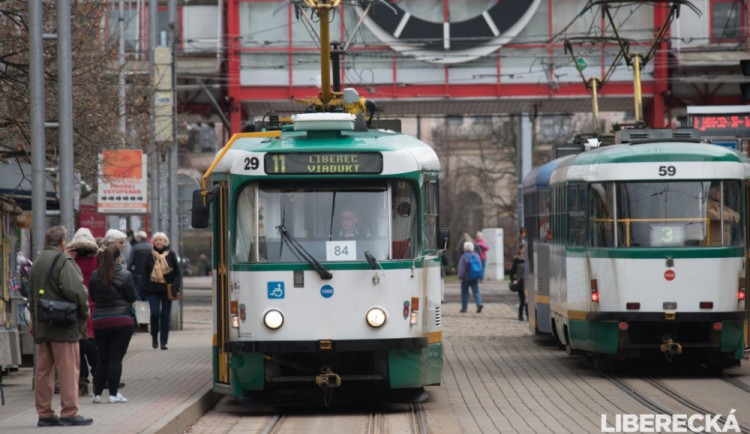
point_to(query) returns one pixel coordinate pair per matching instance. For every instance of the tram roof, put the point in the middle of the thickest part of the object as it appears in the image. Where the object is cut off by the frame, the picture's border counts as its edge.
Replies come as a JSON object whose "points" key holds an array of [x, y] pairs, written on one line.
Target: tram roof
{"points": [[626, 162], [411, 153], [539, 177]]}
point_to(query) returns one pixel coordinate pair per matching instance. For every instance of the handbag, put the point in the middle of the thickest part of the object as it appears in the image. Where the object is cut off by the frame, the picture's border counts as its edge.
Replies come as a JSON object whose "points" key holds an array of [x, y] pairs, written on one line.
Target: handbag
{"points": [[172, 292], [513, 286], [56, 312]]}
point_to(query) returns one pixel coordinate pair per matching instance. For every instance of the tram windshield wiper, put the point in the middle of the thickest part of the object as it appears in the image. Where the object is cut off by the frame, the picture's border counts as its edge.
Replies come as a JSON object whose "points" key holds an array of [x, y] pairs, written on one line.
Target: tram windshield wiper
{"points": [[297, 247]]}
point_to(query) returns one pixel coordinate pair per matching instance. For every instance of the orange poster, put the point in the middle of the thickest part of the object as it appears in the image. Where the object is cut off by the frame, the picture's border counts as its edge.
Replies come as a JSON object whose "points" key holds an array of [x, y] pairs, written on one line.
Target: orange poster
{"points": [[123, 185]]}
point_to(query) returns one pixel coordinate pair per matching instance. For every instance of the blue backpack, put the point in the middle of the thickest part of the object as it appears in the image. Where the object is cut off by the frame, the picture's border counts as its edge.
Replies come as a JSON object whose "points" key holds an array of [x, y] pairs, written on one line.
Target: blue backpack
{"points": [[475, 267]]}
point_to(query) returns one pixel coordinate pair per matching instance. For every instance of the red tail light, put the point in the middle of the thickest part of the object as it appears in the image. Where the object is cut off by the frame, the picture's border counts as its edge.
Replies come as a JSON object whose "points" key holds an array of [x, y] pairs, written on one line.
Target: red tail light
{"points": [[594, 291], [741, 294], [706, 304]]}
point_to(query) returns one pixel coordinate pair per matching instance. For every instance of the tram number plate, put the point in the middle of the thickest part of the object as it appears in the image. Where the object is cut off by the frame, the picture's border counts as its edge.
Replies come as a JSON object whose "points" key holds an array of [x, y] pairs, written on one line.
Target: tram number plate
{"points": [[667, 235], [341, 250]]}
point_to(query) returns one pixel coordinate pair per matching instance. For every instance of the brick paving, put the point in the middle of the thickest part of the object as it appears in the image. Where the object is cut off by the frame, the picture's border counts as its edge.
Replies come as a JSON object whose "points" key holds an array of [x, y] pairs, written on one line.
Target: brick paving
{"points": [[166, 390]]}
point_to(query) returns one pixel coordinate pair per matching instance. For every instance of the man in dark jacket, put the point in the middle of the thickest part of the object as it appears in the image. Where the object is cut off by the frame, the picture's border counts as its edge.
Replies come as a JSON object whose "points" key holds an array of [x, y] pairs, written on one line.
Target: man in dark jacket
{"points": [[55, 275], [137, 262]]}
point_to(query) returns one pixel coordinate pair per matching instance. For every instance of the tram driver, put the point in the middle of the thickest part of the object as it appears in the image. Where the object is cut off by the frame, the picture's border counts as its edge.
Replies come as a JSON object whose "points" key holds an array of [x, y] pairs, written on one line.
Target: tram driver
{"points": [[350, 227]]}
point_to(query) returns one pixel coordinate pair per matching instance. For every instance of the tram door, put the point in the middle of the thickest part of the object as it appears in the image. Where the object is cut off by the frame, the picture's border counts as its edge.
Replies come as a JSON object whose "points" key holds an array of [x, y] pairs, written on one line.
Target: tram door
{"points": [[222, 283]]}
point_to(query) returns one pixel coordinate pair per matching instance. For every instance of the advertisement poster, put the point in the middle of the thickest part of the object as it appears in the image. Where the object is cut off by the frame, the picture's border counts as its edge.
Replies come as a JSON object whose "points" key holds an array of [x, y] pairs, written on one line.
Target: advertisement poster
{"points": [[123, 185]]}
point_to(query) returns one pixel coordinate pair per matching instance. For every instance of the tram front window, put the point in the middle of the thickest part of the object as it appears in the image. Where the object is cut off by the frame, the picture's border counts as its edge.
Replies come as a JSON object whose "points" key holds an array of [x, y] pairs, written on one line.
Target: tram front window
{"points": [[328, 222], [665, 214]]}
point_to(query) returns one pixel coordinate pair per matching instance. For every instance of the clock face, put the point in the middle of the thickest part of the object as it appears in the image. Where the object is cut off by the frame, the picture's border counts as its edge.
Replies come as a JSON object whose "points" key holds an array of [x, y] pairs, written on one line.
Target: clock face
{"points": [[467, 30]]}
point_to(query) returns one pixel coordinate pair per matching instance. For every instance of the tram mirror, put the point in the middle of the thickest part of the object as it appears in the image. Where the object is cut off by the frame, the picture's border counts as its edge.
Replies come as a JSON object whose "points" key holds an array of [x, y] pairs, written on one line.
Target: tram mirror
{"points": [[444, 234], [403, 209], [200, 212]]}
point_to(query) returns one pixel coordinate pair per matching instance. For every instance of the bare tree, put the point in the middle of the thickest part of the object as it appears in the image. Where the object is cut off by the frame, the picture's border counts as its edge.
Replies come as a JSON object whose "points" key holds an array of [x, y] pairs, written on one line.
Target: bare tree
{"points": [[95, 86]]}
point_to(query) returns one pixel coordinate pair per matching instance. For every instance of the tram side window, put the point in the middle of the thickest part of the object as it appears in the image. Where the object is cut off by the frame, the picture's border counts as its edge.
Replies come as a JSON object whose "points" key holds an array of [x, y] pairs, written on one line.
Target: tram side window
{"points": [[601, 224], [404, 220], [722, 210], [543, 212], [576, 214], [430, 213], [245, 227]]}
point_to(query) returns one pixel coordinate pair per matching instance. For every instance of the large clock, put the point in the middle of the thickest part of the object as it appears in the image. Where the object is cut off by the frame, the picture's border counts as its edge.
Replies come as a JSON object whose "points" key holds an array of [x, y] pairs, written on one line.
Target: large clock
{"points": [[469, 29]]}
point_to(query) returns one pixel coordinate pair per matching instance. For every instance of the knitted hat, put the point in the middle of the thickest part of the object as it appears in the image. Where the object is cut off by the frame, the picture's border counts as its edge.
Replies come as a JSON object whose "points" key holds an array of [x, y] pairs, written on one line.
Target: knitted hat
{"points": [[83, 242], [111, 236]]}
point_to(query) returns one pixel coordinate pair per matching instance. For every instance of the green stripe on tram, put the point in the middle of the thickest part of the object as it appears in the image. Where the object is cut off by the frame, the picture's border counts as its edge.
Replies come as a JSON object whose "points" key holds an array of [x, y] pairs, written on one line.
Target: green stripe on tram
{"points": [[657, 253], [658, 152], [304, 266]]}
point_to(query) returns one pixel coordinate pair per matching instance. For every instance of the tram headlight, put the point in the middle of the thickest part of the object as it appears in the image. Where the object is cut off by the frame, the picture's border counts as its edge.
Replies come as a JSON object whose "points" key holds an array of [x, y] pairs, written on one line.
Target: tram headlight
{"points": [[376, 317], [273, 319]]}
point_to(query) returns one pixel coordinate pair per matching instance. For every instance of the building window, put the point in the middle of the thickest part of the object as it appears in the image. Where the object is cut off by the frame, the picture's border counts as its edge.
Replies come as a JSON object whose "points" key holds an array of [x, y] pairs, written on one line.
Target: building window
{"points": [[727, 20]]}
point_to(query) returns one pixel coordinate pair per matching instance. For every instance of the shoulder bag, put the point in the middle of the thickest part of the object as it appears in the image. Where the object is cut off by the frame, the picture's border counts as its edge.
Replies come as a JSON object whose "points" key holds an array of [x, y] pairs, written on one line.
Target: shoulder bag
{"points": [[55, 312]]}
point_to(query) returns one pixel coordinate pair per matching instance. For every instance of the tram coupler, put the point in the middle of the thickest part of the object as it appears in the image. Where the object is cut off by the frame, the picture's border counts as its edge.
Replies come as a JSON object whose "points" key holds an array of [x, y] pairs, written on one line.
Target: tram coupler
{"points": [[327, 379], [670, 348]]}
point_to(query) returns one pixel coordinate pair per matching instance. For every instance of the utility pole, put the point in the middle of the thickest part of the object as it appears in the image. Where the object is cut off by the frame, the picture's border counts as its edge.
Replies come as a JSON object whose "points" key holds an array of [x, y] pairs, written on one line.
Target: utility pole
{"points": [[36, 116], [65, 111], [174, 232], [121, 75], [154, 202]]}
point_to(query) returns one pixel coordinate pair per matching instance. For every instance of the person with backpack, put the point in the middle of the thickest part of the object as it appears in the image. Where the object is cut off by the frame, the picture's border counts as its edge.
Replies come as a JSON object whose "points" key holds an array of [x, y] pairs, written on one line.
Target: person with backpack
{"points": [[516, 277], [470, 272]]}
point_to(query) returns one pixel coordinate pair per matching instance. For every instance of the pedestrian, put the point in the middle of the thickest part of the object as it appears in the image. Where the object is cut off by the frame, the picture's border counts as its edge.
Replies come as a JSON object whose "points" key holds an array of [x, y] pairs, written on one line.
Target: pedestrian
{"points": [[114, 293], [137, 262], [55, 275], [467, 280], [516, 276], [83, 249], [481, 247], [129, 243], [460, 251], [113, 236], [204, 268], [161, 269]]}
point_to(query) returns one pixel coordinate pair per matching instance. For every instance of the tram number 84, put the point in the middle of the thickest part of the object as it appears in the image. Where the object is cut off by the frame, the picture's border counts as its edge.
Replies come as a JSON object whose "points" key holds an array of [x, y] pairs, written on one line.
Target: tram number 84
{"points": [[667, 170]]}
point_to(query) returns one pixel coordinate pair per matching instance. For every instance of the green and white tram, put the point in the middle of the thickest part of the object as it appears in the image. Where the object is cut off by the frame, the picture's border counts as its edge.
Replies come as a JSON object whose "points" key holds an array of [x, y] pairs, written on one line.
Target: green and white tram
{"points": [[325, 257], [648, 252]]}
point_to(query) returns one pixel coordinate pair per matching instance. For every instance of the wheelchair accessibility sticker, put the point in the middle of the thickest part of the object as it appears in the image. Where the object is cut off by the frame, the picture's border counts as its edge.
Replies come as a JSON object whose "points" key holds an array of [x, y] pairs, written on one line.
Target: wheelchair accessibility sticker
{"points": [[326, 291], [275, 290]]}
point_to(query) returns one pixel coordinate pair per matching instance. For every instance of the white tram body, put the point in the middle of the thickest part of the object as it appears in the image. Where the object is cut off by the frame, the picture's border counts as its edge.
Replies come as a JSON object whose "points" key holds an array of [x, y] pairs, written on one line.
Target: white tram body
{"points": [[639, 263], [300, 305]]}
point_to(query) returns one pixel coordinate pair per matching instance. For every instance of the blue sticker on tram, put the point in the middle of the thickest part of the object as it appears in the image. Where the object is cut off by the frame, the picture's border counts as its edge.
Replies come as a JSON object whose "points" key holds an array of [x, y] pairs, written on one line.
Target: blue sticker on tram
{"points": [[326, 291], [275, 290]]}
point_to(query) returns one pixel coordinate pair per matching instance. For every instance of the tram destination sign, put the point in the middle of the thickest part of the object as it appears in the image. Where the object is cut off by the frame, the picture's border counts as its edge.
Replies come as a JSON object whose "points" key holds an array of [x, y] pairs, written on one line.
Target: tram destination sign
{"points": [[321, 163]]}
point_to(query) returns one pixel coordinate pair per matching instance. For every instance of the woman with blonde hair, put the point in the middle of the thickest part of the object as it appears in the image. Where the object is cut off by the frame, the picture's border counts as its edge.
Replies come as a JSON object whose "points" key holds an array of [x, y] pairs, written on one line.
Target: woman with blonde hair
{"points": [[161, 269]]}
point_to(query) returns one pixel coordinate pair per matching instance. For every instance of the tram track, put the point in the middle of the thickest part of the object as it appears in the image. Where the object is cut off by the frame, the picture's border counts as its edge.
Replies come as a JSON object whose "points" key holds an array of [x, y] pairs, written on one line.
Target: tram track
{"points": [[274, 424], [736, 383], [671, 393], [675, 396]]}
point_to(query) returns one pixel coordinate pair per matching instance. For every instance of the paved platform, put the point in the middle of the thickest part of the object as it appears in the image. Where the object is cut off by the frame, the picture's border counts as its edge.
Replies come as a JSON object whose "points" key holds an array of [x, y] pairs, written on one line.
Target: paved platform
{"points": [[169, 390], [166, 390]]}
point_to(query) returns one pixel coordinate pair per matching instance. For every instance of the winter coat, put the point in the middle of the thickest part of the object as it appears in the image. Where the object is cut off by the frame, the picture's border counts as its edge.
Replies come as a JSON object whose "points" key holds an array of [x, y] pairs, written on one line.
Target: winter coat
{"points": [[66, 283], [115, 299], [138, 258], [172, 277], [463, 267]]}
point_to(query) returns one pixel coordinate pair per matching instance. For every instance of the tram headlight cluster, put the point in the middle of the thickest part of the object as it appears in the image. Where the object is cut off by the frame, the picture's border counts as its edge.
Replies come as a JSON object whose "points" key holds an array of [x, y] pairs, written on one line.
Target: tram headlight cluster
{"points": [[273, 319], [376, 317]]}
